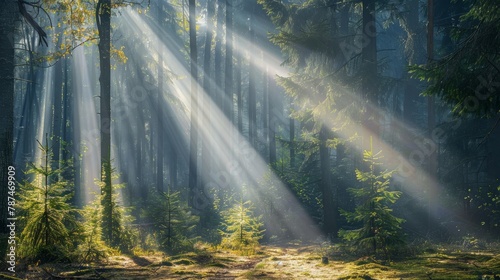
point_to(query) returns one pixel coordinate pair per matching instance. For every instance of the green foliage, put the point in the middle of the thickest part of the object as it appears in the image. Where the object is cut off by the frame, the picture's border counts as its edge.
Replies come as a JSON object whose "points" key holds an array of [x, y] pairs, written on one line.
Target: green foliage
{"points": [[320, 89], [487, 200], [92, 248], [173, 224], [380, 230], [465, 79], [115, 232], [241, 229], [48, 219]]}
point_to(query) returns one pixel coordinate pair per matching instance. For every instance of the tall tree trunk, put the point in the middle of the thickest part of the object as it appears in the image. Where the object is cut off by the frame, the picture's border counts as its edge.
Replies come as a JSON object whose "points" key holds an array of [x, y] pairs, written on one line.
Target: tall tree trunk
{"points": [[8, 15], [271, 100], [172, 171], [252, 100], [228, 81], [329, 211], [57, 117], [193, 143], [159, 105], [265, 109], [414, 57], [292, 142], [432, 191], [369, 81], [340, 181], [66, 132], [103, 18], [208, 88], [160, 131], [218, 55], [139, 160], [239, 95], [27, 116]]}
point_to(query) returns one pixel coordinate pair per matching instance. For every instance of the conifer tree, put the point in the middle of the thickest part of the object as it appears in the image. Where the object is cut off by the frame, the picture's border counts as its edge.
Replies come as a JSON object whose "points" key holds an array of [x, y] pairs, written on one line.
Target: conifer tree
{"points": [[242, 230], [114, 229], [92, 248], [174, 226], [380, 230], [48, 218]]}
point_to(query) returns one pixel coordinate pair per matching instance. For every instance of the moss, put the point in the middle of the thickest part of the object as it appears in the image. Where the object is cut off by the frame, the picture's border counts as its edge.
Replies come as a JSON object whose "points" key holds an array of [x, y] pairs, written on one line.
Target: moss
{"points": [[260, 265], [184, 262]]}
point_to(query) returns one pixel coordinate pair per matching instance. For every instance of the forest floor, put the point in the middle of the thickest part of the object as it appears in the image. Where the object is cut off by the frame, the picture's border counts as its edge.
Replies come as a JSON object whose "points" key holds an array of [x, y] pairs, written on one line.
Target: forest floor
{"points": [[283, 262]]}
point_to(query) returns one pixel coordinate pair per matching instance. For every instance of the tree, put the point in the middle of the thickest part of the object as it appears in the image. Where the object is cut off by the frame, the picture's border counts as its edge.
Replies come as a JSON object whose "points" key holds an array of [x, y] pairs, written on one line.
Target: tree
{"points": [[252, 80], [92, 248], [174, 226], [8, 15], [219, 31], [241, 229], [306, 37], [463, 79], [380, 229], [103, 20], [369, 68], [228, 81], [193, 141], [114, 227], [48, 217], [209, 90]]}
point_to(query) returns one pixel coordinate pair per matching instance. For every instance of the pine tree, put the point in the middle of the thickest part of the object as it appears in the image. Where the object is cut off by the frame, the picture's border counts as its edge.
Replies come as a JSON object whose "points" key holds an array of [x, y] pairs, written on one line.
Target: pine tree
{"points": [[381, 230], [172, 222], [115, 217], [242, 230], [49, 220], [92, 248]]}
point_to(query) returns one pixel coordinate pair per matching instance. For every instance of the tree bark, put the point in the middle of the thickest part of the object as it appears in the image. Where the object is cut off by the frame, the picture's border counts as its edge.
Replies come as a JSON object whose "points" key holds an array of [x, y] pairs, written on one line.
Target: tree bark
{"points": [[219, 93], [329, 211], [432, 189], [103, 18], [208, 88], [159, 108], [292, 142], [8, 16], [369, 81], [193, 143], [239, 94], [228, 81], [252, 107]]}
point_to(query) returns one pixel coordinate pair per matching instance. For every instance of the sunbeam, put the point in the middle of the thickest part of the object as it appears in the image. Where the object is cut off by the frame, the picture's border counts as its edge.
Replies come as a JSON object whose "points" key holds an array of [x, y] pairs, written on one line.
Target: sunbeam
{"points": [[249, 139], [237, 163]]}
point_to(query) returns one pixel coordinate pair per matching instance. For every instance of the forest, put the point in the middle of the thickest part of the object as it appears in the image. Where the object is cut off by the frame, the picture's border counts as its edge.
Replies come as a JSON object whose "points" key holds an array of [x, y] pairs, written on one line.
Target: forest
{"points": [[249, 139]]}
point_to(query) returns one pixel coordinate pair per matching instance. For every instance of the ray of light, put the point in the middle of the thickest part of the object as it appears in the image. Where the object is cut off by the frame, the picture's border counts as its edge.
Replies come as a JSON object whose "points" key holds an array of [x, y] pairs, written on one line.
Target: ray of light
{"points": [[239, 164], [86, 128], [45, 113]]}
